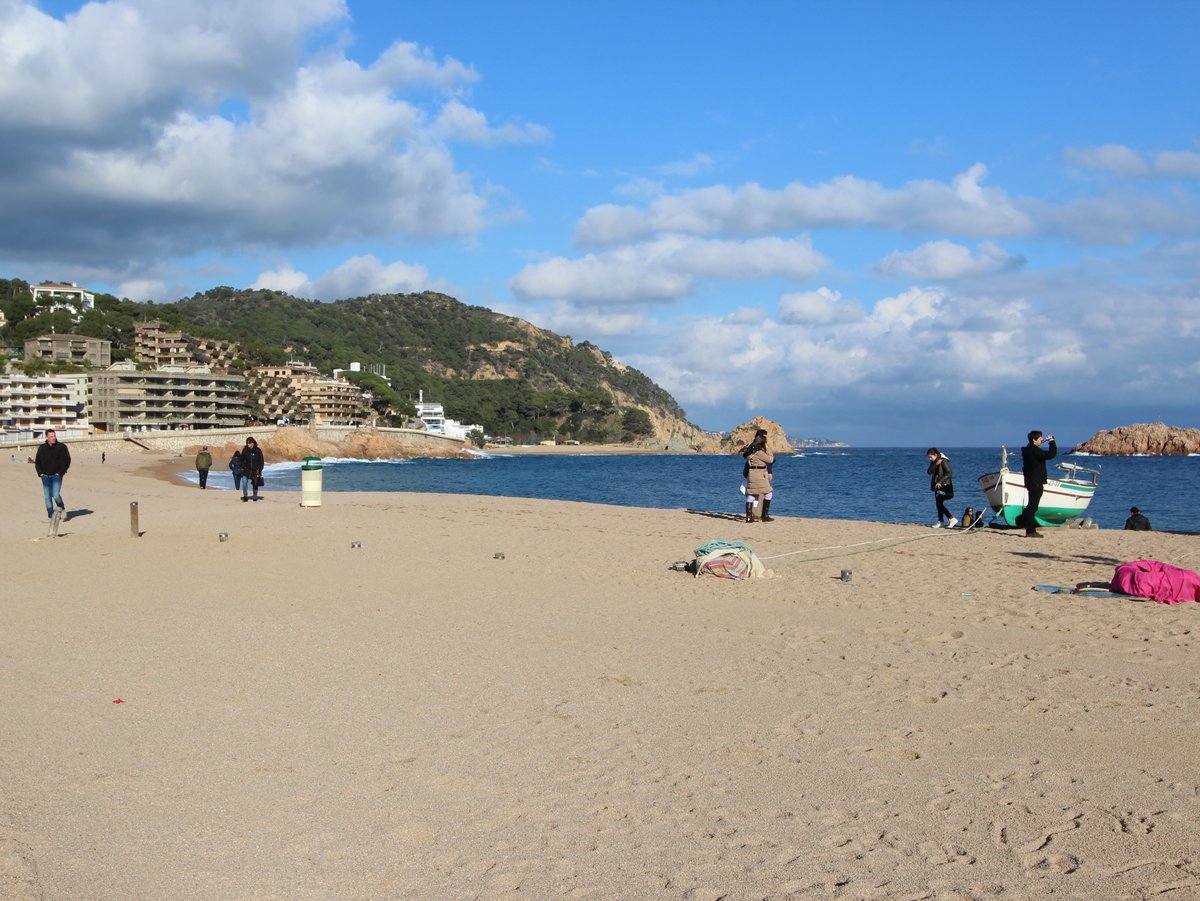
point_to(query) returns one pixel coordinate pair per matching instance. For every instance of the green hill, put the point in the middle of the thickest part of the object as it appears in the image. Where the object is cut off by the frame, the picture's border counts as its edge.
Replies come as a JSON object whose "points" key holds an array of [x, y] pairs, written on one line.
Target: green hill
{"points": [[501, 372]]}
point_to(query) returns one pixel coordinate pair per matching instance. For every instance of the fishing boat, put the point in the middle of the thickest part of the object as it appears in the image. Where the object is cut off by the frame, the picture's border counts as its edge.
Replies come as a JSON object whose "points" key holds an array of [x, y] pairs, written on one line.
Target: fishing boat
{"points": [[1063, 500]]}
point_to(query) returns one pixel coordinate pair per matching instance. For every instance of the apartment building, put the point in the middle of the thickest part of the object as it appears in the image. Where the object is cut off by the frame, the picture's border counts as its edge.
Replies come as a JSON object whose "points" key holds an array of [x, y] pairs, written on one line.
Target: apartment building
{"points": [[37, 403], [298, 392], [124, 398], [95, 353], [158, 345]]}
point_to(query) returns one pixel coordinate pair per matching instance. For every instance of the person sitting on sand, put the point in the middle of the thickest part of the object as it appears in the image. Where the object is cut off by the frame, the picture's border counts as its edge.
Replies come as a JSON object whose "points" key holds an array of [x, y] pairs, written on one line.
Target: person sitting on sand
{"points": [[970, 518], [1137, 522]]}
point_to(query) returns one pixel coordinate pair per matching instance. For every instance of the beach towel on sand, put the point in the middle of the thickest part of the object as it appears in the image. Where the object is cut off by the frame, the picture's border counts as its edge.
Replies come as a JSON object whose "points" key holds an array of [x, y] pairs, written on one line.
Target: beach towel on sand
{"points": [[1158, 581]]}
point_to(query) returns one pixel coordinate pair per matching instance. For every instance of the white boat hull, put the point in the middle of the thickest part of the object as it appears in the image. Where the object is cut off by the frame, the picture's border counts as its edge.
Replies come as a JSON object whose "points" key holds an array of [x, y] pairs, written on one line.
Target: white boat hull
{"points": [[1062, 500]]}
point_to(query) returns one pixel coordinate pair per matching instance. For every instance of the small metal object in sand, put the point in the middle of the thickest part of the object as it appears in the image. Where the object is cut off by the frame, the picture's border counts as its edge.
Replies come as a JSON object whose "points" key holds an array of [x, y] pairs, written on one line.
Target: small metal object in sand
{"points": [[223, 536], [846, 575], [356, 545], [499, 555]]}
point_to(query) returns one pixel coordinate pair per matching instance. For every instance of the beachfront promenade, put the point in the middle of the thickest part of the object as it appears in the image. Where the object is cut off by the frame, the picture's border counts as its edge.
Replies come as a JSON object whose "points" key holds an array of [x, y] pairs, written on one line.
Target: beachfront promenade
{"points": [[178, 441]]}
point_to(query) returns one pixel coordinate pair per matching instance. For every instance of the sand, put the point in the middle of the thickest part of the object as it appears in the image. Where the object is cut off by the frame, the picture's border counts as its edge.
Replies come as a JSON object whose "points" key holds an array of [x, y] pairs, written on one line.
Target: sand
{"points": [[301, 718]]}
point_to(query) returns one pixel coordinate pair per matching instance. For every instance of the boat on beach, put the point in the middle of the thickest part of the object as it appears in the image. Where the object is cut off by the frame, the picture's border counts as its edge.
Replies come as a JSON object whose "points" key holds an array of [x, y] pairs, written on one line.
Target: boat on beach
{"points": [[1065, 499]]}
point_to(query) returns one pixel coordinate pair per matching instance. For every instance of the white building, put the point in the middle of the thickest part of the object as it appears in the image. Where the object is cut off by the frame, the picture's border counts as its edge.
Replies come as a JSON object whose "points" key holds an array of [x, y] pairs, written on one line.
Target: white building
{"points": [[62, 296], [31, 404], [434, 417]]}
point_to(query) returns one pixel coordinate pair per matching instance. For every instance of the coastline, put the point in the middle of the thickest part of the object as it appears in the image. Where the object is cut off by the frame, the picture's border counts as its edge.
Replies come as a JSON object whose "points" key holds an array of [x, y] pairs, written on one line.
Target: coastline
{"points": [[519, 449], [419, 717]]}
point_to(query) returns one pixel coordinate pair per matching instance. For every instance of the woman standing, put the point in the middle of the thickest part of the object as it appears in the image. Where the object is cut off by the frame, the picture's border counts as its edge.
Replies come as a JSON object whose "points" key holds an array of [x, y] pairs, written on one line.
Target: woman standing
{"points": [[252, 468], [941, 483], [757, 472]]}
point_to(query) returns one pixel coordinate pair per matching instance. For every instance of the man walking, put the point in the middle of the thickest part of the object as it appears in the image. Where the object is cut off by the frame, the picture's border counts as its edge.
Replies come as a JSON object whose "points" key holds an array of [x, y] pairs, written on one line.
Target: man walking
{"points": [[1033, 462], [51, 463], [203, 465]]}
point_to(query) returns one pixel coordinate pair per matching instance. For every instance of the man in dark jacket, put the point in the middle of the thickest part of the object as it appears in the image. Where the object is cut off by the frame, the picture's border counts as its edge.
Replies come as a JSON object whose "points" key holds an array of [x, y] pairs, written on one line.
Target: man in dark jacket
{"points": [[51, 463], [1137, 522], [1033, 462]]}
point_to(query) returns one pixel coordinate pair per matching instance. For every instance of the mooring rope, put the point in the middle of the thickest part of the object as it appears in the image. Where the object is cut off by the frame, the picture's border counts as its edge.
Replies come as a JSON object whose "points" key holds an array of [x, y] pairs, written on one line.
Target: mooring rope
{"points": [[939, 533]]}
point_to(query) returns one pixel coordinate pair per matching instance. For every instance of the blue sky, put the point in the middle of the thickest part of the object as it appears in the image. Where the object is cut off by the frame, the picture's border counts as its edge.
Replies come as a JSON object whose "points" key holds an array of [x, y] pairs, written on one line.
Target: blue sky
{"points": [[888, 223]]}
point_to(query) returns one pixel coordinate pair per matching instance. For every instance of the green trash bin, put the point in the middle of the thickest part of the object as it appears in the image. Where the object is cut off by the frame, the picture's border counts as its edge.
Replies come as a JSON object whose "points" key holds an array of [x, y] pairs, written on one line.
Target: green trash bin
{"points": [[311, 474]]}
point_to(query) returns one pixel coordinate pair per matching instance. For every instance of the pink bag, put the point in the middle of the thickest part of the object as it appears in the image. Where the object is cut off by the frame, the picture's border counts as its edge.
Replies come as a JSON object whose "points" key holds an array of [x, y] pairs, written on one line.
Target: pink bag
{"points": [[1158, 581]]}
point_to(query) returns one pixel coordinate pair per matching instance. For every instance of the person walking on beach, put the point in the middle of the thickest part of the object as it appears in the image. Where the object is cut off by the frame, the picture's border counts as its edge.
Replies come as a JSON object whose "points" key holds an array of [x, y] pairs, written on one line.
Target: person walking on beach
{"points": [[1033, 462], [252, 468], [51, 463], [235, 467], [758, 476], [1137, 522], [941, 483], [203, 465]]}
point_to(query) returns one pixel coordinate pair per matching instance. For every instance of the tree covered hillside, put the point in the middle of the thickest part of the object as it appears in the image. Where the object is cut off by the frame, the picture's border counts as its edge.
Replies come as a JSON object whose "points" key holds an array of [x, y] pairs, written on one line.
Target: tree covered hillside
{"points": [[495, 370]]}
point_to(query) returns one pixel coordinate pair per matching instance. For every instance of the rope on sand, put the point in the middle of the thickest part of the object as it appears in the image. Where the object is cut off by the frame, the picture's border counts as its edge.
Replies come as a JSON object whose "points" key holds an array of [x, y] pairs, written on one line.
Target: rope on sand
{"points": [[866, 545]]}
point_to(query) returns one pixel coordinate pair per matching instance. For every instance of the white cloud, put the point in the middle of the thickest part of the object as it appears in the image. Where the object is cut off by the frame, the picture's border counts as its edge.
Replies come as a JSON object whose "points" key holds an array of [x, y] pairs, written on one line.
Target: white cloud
{"points": [[224, 126], [1177, 162], [665, 269], [945, 260], [1125, 162], [581, 322], [142, 290], [820, 307], [918, 347], [963, 207], [696, 165], [1115, 159], [356, 277], [459, 122]]}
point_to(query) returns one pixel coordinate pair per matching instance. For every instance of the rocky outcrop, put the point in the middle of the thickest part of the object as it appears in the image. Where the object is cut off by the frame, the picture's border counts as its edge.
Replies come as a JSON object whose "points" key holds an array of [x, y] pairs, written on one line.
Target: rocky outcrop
{"points": [[1155, 439], [777, 441]]}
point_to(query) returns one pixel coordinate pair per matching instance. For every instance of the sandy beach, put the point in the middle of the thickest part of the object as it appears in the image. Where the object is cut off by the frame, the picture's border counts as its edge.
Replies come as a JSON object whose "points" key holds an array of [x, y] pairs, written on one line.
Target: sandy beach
{"points": [[423, 696]]}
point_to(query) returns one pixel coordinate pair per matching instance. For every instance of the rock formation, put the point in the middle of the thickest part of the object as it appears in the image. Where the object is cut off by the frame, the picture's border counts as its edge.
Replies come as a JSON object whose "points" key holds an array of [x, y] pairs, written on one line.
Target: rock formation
{"points": [[777, 441], [1156, 439]]}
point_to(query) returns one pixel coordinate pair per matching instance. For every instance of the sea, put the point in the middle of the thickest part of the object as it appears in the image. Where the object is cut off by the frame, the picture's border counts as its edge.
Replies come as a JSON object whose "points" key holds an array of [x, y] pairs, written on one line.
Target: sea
{"points": [[884, 484]]}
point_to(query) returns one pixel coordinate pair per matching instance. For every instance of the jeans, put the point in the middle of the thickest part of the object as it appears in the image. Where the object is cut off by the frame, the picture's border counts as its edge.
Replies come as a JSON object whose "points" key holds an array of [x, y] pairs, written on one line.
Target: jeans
{"points": [[249, 482], [52, 489]]}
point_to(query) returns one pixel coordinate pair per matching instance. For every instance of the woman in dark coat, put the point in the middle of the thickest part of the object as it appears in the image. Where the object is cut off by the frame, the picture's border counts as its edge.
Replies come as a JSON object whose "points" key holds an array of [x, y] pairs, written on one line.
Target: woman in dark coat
{"points": [[252, 468], [235, 467], [941, 483]]}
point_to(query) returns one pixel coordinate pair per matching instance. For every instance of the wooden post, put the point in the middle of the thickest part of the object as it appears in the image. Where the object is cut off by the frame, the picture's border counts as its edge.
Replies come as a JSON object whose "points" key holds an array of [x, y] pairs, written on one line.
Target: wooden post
{"points": [[133, 519]]}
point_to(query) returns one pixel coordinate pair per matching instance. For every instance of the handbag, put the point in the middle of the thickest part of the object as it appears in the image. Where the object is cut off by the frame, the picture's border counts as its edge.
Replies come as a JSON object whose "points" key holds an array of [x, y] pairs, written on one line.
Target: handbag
{"points": [[258, 481]]}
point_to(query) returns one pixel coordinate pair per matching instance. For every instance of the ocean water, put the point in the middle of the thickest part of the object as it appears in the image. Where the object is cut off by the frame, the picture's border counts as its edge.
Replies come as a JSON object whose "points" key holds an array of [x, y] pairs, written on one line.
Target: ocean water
{"points": [[882, 484]]}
